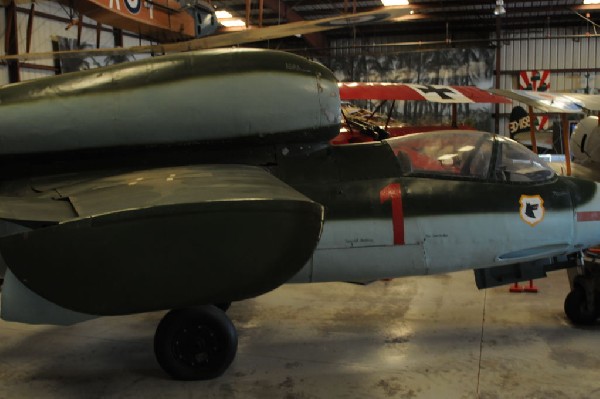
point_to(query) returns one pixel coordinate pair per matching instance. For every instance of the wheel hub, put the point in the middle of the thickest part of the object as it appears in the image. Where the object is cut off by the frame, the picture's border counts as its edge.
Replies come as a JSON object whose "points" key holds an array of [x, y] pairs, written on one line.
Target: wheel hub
{"points": [[195, 346]]}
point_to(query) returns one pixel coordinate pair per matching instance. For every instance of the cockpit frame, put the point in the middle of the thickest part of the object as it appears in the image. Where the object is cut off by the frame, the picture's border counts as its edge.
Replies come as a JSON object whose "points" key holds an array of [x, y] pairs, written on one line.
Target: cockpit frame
{"points": [[468, 155]]}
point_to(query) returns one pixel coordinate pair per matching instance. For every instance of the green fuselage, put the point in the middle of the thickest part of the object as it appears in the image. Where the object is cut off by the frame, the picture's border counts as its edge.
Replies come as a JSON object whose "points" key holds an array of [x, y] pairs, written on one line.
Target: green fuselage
{"points": [[92, 158]]}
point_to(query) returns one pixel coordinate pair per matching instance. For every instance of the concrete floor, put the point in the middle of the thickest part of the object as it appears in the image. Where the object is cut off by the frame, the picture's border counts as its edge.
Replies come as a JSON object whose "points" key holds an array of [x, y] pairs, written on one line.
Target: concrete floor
{"points": [[426, 337]]}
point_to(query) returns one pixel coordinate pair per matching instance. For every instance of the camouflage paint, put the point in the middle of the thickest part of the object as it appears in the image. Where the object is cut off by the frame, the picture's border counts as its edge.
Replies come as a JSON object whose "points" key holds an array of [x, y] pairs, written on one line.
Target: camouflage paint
{"points": [[211, 95]]}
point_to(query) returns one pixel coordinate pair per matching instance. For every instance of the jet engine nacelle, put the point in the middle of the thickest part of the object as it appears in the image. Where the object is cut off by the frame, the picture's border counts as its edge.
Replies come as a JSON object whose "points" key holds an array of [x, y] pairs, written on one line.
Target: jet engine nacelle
{"points": [[585, 141], [206, 96]]}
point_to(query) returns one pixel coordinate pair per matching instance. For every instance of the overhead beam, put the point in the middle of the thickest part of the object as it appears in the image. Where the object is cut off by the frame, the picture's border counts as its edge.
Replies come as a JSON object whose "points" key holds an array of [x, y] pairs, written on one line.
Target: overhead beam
{"points": [[454, 11], [586, 7], [457, 27]]}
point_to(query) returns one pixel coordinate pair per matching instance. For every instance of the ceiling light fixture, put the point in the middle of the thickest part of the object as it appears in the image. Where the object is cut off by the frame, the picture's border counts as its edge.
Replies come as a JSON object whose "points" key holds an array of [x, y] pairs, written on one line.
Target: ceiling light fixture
{"points": [[226, 19], [499, 10], [222, 14], [388, 3]]}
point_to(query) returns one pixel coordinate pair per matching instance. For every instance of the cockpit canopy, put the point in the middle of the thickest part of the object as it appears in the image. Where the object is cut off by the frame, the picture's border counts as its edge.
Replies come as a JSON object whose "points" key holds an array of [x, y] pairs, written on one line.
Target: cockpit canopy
{"points": [[469, 154]]}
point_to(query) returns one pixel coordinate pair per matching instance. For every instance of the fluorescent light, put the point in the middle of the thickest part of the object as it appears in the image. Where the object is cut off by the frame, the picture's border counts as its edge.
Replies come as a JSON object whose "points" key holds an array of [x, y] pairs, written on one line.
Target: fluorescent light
{"points": [[226, 19], [396, 2], [591, 1], [222, 14], [232, 22], [499, 10]]}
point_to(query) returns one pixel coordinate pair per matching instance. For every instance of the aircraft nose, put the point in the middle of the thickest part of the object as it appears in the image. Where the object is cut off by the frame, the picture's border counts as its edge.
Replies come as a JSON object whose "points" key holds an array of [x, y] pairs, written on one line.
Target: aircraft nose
{"points": [[329, 99], [585, 141]]}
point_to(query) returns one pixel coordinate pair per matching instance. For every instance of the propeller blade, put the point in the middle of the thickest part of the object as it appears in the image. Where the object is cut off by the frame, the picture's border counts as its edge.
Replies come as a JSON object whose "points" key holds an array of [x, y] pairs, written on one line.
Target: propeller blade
{"points": [[389, 14]]}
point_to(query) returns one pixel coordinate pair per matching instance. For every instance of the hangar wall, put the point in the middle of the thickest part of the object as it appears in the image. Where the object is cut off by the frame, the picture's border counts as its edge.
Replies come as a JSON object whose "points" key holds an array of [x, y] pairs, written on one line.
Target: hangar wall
{"points": [[567, 52], [45, 28]]}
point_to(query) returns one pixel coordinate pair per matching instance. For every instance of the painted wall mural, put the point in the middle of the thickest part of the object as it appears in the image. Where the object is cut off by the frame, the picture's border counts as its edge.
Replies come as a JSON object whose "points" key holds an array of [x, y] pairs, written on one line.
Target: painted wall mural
{"points": [[73, 64]]}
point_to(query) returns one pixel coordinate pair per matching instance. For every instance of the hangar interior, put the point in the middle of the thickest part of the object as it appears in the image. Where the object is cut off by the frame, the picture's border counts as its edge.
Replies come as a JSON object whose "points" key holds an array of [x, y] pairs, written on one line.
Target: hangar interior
{"points": [[423, 337]]}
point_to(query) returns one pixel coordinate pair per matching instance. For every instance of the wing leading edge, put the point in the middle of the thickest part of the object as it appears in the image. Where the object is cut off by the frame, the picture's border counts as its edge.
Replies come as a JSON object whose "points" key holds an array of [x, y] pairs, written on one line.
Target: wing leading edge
{"points": [[417, 92], [553, 102], [167, 238]]}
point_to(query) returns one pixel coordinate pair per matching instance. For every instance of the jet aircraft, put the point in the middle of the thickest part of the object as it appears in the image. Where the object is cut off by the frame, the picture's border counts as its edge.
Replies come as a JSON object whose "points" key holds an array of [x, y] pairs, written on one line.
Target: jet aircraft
{"points": [[225, 186]]}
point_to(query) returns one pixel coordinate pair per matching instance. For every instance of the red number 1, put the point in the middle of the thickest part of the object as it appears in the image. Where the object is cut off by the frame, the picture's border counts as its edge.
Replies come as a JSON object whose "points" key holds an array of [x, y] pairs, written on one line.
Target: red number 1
{"points": [[392, 192]]}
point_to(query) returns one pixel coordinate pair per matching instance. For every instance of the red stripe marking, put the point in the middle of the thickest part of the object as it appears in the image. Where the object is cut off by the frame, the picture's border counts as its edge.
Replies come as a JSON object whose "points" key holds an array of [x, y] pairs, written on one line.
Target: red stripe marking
{"points": [[593, 216], [525, 79], [545, 75], [392, 192]]}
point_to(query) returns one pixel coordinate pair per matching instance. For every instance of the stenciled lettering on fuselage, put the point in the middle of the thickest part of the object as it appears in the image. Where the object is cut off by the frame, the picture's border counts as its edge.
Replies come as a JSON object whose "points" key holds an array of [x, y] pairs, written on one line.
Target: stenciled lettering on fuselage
{"points": [[519, 125], [532, 209]]}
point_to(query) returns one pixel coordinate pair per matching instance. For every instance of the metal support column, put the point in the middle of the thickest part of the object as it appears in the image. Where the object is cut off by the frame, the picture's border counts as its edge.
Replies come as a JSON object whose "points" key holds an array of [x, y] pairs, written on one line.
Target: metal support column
{"points": [[30, 27], [498, 65], [11, 42]]}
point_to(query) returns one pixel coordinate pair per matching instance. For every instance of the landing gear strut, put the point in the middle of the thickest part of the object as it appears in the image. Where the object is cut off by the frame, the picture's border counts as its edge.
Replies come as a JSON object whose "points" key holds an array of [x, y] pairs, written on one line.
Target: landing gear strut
{"points": [[582, 304], [195, 343]]}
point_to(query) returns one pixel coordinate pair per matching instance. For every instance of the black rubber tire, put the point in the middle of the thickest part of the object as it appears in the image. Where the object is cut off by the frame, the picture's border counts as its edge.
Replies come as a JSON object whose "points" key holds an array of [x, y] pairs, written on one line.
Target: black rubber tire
{"points": [[577, 310], [195, 343]]}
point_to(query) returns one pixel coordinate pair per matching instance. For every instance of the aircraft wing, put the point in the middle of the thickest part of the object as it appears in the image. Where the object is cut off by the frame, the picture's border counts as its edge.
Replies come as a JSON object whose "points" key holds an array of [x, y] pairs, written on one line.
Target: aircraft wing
{"points": [[553, 102], [240, 37], [589, 101], [406, 91], [160, 238]]}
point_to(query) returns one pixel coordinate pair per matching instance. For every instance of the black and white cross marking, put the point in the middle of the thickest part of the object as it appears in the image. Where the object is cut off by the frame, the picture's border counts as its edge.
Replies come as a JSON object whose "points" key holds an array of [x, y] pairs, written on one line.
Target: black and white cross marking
{"points": [[441, 94]]}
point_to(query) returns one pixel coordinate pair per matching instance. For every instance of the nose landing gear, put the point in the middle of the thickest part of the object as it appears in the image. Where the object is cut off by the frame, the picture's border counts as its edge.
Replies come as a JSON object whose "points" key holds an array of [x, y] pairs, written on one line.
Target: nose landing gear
{"points": [[582, 304]]}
